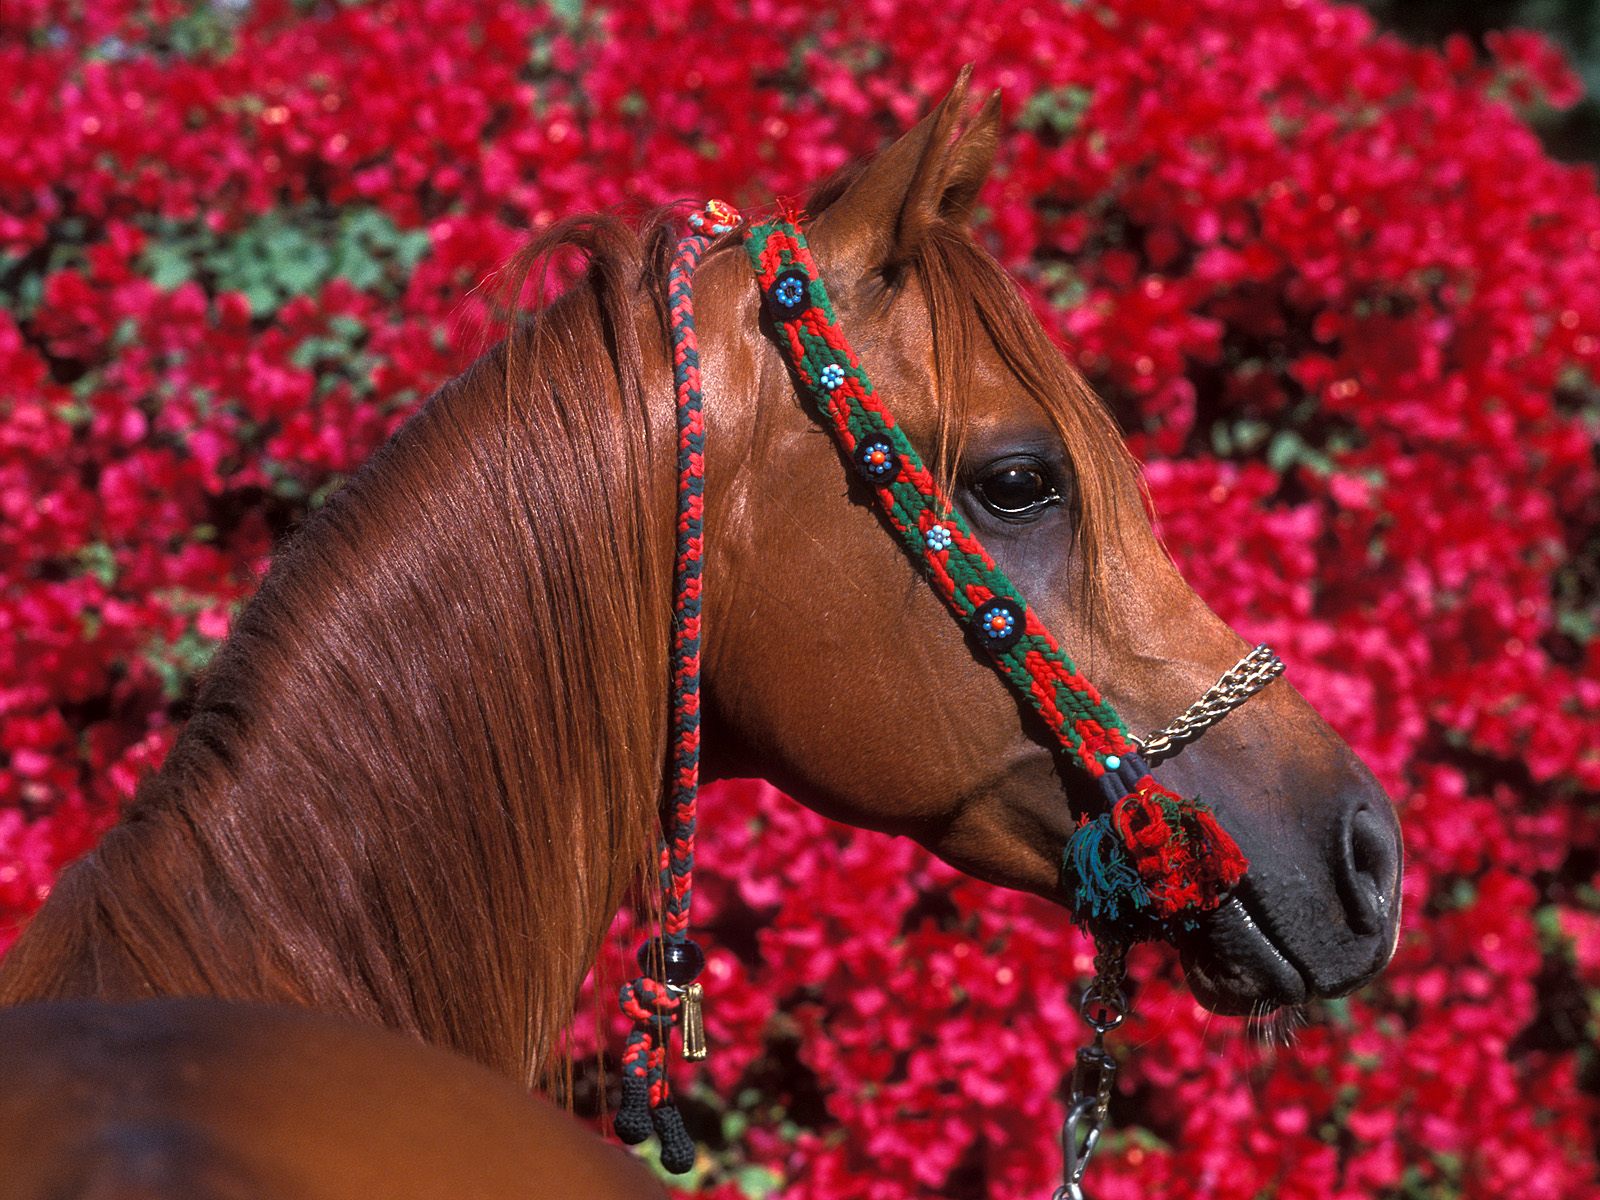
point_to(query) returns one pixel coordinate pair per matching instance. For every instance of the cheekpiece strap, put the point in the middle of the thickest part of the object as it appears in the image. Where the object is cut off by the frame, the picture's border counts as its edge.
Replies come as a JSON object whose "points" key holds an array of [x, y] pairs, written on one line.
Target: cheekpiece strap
{"points": [[928, 525], [1150, 856]]}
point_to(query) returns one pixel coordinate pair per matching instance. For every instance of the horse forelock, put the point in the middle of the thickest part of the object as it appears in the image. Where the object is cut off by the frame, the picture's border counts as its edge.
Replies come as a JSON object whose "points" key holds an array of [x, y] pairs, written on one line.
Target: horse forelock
{"points": [[971, 300]]}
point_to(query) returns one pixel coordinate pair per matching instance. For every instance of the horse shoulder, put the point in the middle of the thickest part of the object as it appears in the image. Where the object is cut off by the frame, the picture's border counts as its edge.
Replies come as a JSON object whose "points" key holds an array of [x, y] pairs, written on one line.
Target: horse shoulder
{"points": [[216, 1100]]}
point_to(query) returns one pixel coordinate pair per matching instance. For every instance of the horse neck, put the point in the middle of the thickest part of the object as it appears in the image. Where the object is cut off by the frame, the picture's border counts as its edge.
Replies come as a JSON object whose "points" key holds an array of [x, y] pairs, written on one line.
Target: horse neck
{"points": [[425, 766]]}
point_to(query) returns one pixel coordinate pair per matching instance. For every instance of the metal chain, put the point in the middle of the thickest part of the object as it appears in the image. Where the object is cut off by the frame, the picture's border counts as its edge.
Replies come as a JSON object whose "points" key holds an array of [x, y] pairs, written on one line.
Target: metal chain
{"points": [[1252, 673], [1103, 1007]]}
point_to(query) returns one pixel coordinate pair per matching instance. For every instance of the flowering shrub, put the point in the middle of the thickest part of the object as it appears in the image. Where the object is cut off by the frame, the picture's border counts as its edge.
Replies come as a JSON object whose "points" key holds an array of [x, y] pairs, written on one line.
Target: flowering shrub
{"points": [[1347, 309]]}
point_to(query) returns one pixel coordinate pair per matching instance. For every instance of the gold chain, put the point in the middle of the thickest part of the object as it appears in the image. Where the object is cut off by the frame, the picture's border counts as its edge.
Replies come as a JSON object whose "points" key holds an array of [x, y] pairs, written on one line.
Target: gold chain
{"points": [[1252, 673]]}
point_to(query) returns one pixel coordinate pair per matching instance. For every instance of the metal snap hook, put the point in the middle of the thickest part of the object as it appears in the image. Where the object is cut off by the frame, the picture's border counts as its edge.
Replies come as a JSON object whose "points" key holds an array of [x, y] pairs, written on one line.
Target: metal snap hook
{"points": [[1080, 1134]]}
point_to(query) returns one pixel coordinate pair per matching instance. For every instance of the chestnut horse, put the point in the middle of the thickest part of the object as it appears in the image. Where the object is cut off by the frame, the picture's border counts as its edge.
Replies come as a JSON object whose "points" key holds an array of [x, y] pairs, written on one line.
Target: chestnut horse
{"points": [[428, 762]]}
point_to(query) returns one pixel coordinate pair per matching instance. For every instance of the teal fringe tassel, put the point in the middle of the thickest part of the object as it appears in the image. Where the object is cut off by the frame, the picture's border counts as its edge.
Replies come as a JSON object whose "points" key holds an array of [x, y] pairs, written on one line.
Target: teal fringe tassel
{"points": [[1099, 876]]}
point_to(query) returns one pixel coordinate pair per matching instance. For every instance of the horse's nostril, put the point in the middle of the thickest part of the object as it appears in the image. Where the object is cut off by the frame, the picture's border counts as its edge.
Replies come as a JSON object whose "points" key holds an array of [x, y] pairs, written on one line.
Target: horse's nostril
{"points": [[1371, 869]]}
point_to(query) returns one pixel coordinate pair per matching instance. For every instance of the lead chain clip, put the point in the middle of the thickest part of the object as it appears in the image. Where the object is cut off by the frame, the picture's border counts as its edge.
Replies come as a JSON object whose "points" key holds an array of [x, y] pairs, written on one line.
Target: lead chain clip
{"points": [[1103, 1006]]}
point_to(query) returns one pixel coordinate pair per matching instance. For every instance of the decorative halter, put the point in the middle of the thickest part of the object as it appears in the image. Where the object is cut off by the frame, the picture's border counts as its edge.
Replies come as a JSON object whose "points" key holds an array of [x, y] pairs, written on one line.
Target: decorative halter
{"points": [[1147, 860]]}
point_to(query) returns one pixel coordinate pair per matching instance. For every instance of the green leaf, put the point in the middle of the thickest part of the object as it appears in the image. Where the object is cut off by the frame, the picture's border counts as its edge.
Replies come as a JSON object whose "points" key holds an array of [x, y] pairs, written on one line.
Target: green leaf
{"points": [[1058, 110], [99, 560], [75, 413], [168, 264], [177, 662], [349, 328], [757, 1182], [1284, 450], [287, 253]]}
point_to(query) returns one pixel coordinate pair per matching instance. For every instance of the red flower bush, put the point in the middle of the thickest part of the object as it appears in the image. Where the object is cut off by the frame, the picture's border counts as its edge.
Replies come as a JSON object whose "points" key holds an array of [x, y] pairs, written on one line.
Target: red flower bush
{"points": [[1347, 309]]}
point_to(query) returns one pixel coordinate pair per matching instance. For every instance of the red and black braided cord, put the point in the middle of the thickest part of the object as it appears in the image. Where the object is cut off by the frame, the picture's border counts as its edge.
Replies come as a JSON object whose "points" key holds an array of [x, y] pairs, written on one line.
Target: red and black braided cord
{"points": [[670, 963]]}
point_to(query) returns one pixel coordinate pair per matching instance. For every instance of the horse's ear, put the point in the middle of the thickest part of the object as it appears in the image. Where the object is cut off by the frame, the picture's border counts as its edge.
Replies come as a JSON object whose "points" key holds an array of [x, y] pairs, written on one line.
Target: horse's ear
{"points": [[932, 174]]}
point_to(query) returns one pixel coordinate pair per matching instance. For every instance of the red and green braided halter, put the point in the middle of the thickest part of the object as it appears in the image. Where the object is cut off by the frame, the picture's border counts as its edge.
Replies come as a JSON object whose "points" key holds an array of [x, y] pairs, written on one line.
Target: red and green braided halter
{"points": [[1152, 856], [1149, 858]]}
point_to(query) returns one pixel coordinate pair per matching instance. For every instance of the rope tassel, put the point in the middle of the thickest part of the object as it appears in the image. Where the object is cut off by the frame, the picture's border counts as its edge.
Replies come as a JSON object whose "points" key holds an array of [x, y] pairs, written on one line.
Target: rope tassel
{"points": [[1153, 854], [1100, 877], [647, 1106], [638, 1118]]}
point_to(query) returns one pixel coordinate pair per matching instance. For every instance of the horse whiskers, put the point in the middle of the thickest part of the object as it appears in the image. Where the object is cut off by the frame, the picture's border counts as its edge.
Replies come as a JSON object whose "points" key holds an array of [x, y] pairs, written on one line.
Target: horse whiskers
{"points": [[1291, 1021], [1275, 1028]]}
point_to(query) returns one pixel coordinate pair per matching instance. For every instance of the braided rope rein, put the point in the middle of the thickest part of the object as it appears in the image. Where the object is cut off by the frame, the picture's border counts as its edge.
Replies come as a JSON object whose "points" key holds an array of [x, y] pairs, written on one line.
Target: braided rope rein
{"points": [[667, 991]]}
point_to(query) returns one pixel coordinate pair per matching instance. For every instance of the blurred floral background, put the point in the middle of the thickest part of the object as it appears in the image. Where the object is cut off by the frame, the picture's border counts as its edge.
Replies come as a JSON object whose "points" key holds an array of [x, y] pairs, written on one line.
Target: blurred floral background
{"points": [[1344, 300]]}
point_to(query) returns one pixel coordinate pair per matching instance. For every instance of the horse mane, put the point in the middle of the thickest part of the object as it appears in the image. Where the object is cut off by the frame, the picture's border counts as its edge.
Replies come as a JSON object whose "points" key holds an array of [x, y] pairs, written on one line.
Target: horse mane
{"points": [[425, 767]]}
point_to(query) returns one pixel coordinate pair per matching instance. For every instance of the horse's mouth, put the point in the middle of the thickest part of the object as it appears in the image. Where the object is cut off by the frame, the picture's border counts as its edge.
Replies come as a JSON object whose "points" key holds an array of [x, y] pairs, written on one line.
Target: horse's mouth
{"points": [[1234, 966]]}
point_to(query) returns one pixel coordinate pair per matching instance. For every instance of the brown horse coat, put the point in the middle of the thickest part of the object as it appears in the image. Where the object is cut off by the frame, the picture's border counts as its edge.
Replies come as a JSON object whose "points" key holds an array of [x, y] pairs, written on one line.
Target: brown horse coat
{"points": [[214, 1100]]}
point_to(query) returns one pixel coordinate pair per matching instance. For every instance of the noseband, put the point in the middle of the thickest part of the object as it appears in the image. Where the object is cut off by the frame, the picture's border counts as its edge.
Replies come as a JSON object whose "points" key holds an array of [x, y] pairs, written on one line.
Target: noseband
{"points": [[1147, 860]]}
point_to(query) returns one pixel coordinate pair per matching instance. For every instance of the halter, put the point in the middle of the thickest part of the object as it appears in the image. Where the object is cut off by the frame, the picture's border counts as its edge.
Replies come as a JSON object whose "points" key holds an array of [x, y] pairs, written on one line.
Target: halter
{"points": [[1148, 860]]}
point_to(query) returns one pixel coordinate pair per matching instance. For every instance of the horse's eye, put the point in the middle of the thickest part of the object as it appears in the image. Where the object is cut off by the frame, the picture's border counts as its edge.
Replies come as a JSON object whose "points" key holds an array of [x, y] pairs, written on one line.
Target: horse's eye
{"points": [[1017, 490]]}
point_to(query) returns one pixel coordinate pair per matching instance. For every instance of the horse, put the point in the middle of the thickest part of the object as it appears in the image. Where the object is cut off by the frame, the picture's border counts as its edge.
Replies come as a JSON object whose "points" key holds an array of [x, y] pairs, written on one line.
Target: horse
{"points": [[428, 763]]}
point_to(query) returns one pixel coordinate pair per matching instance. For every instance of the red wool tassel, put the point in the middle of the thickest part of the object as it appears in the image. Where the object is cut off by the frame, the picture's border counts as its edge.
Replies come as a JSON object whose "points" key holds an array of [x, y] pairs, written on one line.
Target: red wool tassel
{"points": [[1185, 859]]}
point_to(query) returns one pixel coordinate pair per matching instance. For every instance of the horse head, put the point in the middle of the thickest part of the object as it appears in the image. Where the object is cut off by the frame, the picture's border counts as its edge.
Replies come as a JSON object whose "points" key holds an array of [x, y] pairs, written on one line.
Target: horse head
{"points": [[832, 670]]}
